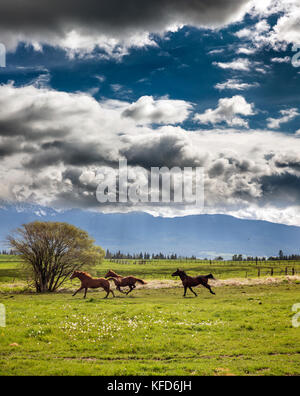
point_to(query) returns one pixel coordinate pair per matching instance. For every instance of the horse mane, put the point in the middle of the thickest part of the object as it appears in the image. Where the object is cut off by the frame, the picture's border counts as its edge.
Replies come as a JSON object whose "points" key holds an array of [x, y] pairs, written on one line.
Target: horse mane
{"points": [[112, 271], [85, 273]]}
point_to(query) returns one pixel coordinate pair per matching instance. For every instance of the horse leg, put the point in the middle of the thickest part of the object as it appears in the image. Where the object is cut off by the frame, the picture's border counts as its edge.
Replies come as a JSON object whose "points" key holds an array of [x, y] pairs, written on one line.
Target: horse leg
{"points": [[192, 291], [77, 291], [118, 288], [112, 292], [107, 292], [85, 292], [131, 288], [209, 288], [184, 291]]}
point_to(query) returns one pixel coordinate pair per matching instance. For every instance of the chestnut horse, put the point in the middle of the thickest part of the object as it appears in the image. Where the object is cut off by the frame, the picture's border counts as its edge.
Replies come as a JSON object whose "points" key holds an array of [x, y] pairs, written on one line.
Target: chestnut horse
{"points": [[189, 281], [121, 281], [93, 283]]}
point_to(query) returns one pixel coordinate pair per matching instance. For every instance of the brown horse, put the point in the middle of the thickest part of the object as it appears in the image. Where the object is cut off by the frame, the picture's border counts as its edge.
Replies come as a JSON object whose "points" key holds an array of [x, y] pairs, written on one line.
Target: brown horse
{"points": [[189, 281], [121, 281], [93, 283]]}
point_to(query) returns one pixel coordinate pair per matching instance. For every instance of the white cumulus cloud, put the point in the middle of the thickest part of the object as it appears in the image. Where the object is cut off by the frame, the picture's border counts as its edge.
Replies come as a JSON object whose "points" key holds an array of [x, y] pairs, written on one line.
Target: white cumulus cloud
{"points": [[287, 115], [228, 111]]}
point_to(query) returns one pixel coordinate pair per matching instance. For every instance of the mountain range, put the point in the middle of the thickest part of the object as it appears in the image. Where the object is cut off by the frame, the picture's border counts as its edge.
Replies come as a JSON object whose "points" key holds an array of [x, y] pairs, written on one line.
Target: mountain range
{"points": [[198, 235]]}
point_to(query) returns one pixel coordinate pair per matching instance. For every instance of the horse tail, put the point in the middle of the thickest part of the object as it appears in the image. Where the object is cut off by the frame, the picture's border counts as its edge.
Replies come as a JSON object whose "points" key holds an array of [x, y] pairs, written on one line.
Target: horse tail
{"points": [[141, 281]]}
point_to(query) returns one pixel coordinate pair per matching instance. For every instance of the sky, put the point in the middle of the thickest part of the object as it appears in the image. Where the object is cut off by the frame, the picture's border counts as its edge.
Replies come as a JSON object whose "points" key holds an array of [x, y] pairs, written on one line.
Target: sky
{"points": [[161, 83]]}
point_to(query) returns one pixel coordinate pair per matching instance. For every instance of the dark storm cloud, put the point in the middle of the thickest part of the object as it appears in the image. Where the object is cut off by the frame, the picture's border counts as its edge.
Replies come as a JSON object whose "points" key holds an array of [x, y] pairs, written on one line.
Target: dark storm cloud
{"points": [[10, 147], [159, 151], [73, 174], [114, 16], [288, 164], [217, 169], [281, 188], [21, 124], [59, 141], [7, 148], [76, 154]]}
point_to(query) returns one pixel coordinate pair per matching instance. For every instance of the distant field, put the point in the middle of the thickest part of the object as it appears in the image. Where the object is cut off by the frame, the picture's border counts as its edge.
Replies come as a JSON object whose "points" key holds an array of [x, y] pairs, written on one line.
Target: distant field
{"points": [[242, 330], [11, 268]]}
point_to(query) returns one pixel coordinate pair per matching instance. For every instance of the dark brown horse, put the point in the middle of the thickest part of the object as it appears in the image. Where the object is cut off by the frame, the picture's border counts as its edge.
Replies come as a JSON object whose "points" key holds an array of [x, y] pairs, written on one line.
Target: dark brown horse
{"points": [[189, 281], [93, 283], [123, 281]]}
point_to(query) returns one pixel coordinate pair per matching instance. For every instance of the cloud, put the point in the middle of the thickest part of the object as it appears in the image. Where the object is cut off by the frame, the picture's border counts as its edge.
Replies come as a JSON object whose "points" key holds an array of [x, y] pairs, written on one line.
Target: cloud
{"points": [[241, 64], [287, 115], [100, 78], [113, 25], [227, 111], [285, 30], [236, 84], [246, 51], [161, 111], [256, 33], [54, 145], [216, 51], [285, 59]]}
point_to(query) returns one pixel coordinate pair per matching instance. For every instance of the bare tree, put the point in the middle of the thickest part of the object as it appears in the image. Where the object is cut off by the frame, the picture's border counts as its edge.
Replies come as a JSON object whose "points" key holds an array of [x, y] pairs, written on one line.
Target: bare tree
{"points": [[53, 250]]}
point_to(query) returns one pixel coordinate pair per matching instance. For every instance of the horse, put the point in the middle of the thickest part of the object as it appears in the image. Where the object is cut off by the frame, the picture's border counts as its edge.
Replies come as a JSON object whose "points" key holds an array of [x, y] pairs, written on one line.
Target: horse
{"points": [[121, 281], [189, 281], [93, 283]]}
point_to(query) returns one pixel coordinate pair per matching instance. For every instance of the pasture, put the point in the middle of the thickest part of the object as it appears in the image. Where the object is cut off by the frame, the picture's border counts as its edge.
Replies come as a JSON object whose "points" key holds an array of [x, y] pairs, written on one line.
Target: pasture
{"points": [[245, 329]]}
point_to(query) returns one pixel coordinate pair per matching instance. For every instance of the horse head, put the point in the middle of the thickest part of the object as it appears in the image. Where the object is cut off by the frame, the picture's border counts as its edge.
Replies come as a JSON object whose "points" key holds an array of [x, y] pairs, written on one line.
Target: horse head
{"points": [[80, 275], [110, 273], [74, 275], [210, 276], [178, 272]]}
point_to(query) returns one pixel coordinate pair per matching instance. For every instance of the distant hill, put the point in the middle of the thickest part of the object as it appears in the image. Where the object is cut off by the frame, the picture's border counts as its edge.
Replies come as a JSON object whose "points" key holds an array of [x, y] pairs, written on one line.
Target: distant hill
{"points": [[201, 235]]}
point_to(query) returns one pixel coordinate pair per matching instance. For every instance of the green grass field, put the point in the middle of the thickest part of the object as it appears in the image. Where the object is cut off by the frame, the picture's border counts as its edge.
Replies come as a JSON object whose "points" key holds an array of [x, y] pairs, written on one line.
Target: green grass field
{"points": [[11, 269], [243, 330]]}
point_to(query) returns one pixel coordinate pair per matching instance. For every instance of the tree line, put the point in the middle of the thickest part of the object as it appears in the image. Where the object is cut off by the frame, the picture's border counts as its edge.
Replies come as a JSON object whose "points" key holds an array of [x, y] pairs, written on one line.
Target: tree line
{"points": [[8, 252], [281, 256], [161, 256], [144, 256]]}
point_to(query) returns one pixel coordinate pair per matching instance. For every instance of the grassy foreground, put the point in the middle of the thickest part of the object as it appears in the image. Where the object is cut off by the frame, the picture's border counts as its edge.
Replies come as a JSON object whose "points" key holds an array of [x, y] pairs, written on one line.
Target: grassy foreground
{"points": [[243, 330]]}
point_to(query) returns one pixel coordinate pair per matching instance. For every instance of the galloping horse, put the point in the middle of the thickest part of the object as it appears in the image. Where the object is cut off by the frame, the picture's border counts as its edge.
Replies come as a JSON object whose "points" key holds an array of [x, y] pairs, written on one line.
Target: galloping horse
{"points": [[121, 281], [88, 282], [189, 281]]}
